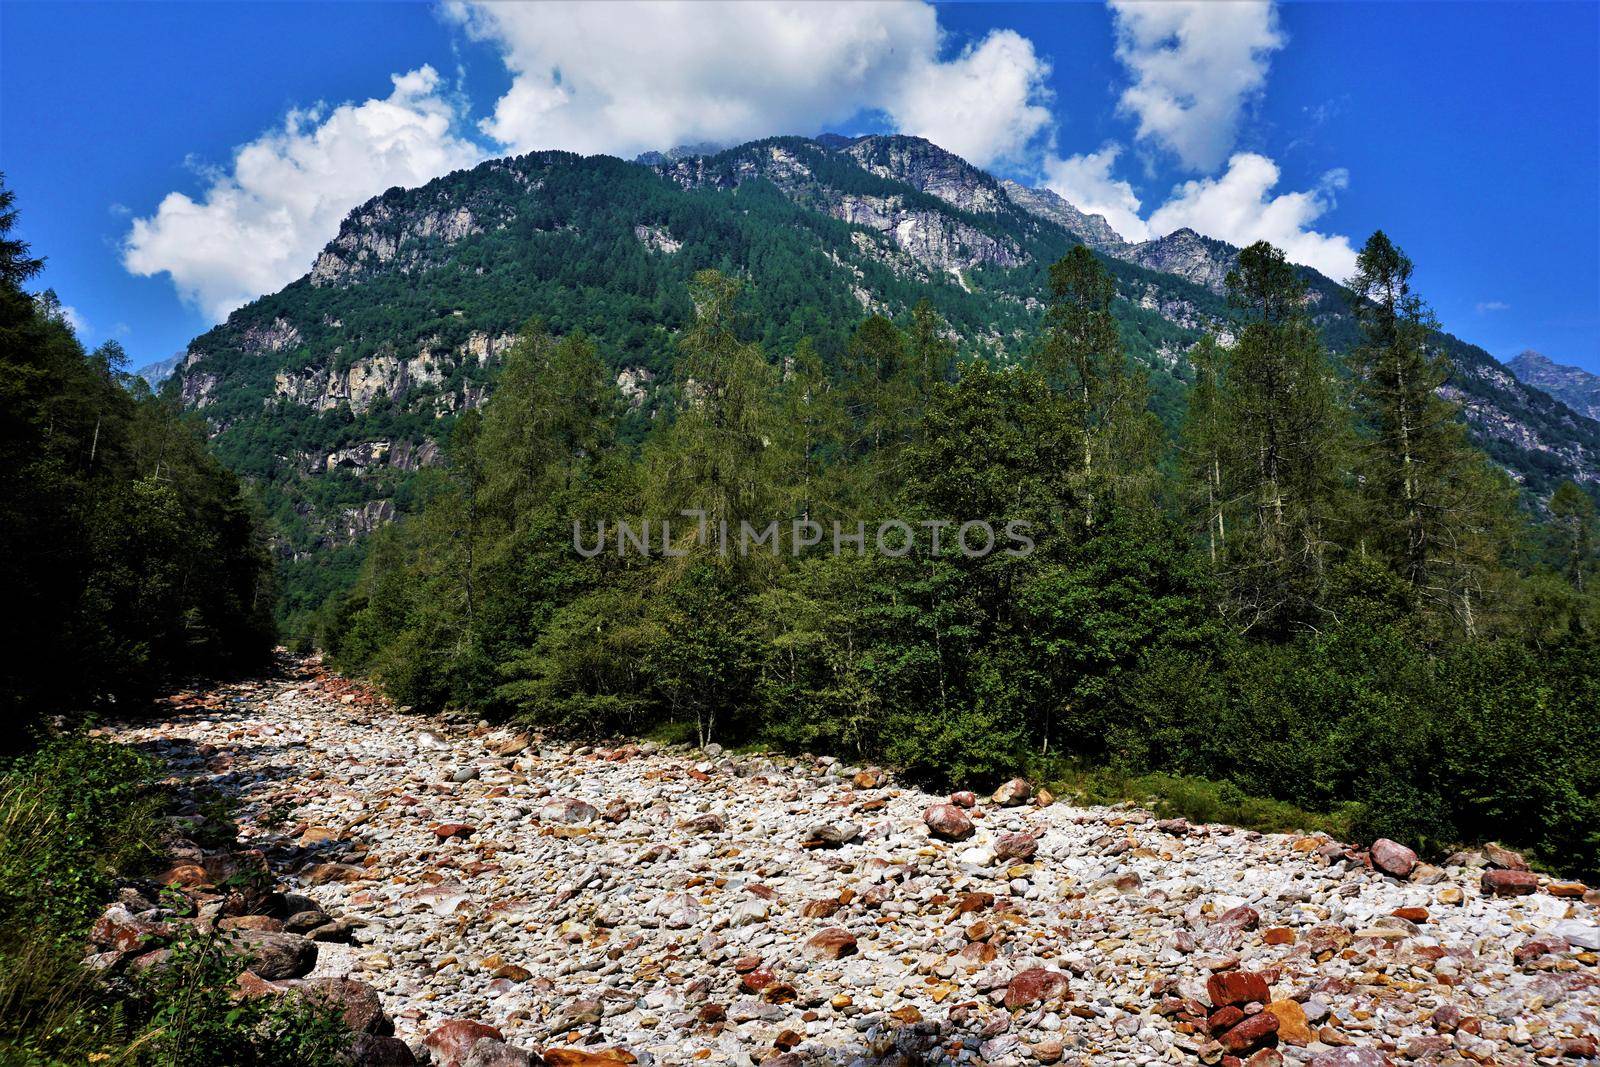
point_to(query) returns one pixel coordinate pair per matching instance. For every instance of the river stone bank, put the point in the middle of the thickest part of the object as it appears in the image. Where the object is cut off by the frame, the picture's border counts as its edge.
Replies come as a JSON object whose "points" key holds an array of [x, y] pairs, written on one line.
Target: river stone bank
{"points": [[654, 905]]}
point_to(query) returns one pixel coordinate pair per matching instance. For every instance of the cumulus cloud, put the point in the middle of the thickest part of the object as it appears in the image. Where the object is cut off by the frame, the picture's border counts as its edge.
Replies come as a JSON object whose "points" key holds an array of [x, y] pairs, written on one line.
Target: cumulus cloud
{"points": [[258, 225], [1086, 182], [74, 318], [1194, 65], [628, 77], [1239, 207]]}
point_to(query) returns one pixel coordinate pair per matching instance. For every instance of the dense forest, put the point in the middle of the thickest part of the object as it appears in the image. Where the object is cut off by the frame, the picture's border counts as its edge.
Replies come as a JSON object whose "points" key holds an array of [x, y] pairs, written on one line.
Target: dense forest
{"points": [[128, 554], [1316, 590]]}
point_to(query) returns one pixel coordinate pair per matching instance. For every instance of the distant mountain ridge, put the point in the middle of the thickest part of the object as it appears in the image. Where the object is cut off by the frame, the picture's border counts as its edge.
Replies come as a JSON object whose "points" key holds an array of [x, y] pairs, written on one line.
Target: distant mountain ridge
{"points": [[1573, 386], [333, 392]]}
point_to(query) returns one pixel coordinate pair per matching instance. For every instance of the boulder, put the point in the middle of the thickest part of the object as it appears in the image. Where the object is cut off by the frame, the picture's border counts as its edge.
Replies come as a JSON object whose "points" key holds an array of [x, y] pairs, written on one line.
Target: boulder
{"points": [[357, 1003], [948, 822], [1254, 1030], [1013, 793], [567, 811], [274, 956], [829, 834], [1391, 857], [452, 1041], [1016, 847], [1498, 882], [491, 1053], [1293, 1028], [1236, 987], [370, 1050], [1504, 858], [1036, 985]]}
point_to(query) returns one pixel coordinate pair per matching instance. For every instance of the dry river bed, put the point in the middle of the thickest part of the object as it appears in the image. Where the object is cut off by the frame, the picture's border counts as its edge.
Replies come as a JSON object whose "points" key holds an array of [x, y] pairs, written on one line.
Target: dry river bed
{"points": [[698, 907]]}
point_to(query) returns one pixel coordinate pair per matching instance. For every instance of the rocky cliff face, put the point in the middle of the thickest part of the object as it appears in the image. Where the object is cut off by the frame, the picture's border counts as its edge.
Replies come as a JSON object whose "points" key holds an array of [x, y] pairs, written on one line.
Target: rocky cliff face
{"points": [[1573, 386], [1188, 255], [1092, 230]]}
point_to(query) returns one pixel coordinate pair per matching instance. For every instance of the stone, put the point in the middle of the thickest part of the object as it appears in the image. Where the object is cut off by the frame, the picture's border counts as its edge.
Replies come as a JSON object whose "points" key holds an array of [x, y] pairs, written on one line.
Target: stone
{"points": [[1505, 882], [372, 1050], [447, 830], [1016, 847], [1504, 858], [357, 1003], [567, 811], [1236, 987], [1350, 1057], [1035, 985], [572, 1057], [273, 956], [1013, 793], [871, 778], [948, 822], [964, 799], [452, 1041], [1251, 1032], [830, 943], [829, 834], [1391, 857], [1293, 1029], [487, 1052]]}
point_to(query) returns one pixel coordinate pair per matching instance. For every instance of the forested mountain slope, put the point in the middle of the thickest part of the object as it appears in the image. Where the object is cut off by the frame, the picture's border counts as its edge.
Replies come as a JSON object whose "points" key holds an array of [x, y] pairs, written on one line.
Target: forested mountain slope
{"points": [[333, 392]]}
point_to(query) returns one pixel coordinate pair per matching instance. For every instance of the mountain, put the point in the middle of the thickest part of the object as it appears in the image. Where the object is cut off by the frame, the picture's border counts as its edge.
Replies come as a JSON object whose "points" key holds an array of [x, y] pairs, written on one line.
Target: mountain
{"points": [[159, 371], [332, 393], [1573, 386]]}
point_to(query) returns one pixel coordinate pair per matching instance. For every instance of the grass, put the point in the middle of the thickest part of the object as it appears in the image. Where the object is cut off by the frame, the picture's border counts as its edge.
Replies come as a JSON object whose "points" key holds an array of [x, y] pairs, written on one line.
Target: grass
{"points": [[1197, 799], [78, 817]]}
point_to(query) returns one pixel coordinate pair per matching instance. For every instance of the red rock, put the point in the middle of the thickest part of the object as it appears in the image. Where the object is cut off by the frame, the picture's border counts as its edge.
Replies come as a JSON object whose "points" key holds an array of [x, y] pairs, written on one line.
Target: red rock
{"points": [[1391, 857], [1236, 987], [263, 923], [708, 823], [746, 964], [1253, 1031], [567, 810], [1016, 847], [451, 1042], [446, 830], [1536, 947], [757, 978], [829, 944], [1244, 917], [948, 822], [1035, 985], [964, 799], [1011, 794], [1509, 883], [871, 778], [1416, 915], [1224, 1019]]}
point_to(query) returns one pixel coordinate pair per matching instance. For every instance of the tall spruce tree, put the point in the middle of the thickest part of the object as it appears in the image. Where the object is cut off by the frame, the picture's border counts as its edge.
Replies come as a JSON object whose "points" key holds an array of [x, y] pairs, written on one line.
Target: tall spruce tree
{"points": [[1431, 505], [1105, 400], [1287, 442]]}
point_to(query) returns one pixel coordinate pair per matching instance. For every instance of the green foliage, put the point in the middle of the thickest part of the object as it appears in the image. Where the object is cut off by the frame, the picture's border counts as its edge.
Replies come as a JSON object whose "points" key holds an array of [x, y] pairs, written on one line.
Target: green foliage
{"points": [[128, 555], [1223, 628], [77, 817]]}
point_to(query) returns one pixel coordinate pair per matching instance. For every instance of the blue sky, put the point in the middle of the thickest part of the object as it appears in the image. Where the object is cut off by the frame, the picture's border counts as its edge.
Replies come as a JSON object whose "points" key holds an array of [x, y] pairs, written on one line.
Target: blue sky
{"points": [[172, 160]]}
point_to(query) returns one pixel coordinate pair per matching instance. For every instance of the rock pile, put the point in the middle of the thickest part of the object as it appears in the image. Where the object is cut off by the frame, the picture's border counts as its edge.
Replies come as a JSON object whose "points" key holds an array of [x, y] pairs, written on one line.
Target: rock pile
{"points": [[520, 902]]}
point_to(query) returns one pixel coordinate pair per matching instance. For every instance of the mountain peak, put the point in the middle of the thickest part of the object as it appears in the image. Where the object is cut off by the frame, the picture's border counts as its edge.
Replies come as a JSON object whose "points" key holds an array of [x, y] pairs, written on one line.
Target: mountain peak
{"points": [[1573, 386]]}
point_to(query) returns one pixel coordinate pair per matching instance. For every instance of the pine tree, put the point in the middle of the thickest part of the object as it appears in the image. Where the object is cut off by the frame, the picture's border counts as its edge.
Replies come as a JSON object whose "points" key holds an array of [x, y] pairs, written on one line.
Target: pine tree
{"points": [[1287, 439], [1105, 400], [1203, 442], [1431, 506], [1572, 515]]}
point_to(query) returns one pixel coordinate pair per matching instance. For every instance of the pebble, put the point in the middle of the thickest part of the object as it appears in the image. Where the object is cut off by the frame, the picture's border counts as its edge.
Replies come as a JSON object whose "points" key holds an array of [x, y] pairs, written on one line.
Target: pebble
{"points": [[732, 908]]}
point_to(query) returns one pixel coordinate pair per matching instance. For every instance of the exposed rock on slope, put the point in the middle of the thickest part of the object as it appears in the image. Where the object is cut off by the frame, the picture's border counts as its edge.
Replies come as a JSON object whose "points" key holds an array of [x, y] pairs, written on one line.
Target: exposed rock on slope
{"points": [[1573, 386]]}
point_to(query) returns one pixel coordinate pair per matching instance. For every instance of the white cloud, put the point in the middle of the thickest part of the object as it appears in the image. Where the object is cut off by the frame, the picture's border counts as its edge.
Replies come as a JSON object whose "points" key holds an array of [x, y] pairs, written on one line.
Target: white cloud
{"points": [[628, 77], [257, 227], [1239, 207], [1493, 305], [1194, 64], [1086, 182], [73, 318]]}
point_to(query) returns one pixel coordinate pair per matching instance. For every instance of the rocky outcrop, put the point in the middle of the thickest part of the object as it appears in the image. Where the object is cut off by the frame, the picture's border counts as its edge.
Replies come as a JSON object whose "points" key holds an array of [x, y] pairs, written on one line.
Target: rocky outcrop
{"points": [[634, 903], [929, 169], [1189, 256], [378, 233], [1573, 386], [1092, 230]]}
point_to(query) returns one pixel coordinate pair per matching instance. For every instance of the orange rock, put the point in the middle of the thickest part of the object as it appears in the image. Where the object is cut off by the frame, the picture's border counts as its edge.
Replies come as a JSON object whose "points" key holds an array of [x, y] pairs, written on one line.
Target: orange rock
{"points": [[574, 1057], [1279, 935], [1293, 1029]]}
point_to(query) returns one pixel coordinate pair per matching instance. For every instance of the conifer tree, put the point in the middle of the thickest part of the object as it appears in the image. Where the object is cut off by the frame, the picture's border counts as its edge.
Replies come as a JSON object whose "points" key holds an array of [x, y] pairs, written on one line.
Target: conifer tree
{"points": [[1287, 438], [1105, 400], [1431, 505], [1572, 512]]}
